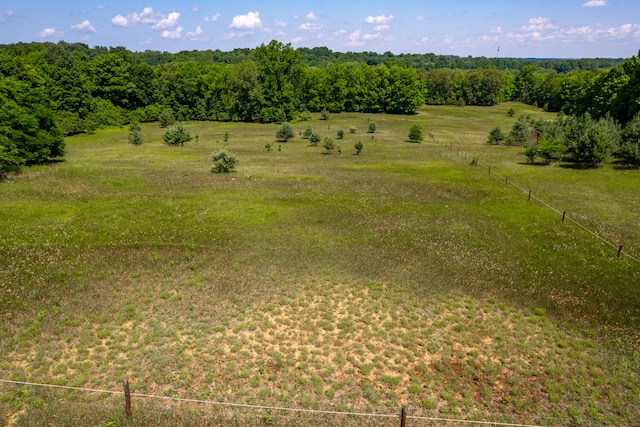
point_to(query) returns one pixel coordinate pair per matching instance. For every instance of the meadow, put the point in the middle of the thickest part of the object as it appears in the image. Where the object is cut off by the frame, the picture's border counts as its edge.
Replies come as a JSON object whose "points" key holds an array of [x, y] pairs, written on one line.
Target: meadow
{"points": [[403, 276]]}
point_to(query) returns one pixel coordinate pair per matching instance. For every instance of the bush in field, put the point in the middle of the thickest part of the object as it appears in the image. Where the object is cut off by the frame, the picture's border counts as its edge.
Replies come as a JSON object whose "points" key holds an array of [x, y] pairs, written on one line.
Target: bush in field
{"points": [[314, 138], [353, 129], [307, 132], [285, 132], [177, 135], [224, 161], [519, 132], [416, 134], [324, 114], [166, 118], [329, 145], [629, 152], [358, 146], [372, 128], [496, 136], [340, 134], [135, 137], [530, 151], [550, 148]]}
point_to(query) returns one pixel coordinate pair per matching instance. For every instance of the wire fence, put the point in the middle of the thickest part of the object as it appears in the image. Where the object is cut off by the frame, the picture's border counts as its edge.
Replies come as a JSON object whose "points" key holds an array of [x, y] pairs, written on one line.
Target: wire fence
{"points": [[462, 155], [226, 413]]}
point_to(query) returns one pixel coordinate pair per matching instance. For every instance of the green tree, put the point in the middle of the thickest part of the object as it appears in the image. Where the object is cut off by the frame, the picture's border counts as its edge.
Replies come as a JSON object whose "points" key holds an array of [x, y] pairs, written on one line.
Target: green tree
{"points": [[135, 135], [592, 142], [307, 132], [358, 146], [372, 127], [519, 132], [177, 135], [416, 134], [284, 132], [224, 161], [314, 138], [324, 114], [166, 118], [329, 145], [281, 75], [496, 136], [629, 151], [340, 134], [530, 151], [550, 148], [28, 129]]}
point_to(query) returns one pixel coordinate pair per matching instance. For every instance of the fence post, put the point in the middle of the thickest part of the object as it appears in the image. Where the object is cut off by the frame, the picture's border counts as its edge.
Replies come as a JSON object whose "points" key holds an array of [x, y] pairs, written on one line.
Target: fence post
{"points": [[529, 195], [489, 170], [127, 398], [563, 215], [506, 181], [403, 417], [619, 251]]}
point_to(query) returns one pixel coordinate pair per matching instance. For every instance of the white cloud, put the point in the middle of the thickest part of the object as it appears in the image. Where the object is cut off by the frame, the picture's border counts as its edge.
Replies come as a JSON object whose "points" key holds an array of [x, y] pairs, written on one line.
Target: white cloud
{"points": [[9, 12], [84, 27], [538, 24], [368, 37], [196, 34], [382, 27], [497, 30], [339, 32], [595, 3], [310, 27], [297, 40], [234, 35], [49, 32], [381, 19], [169, 22], [354, 38], [213, 18], [250, 21], [195, 9], [281, 24], [311, 16], [172, 34], [147, 16]]}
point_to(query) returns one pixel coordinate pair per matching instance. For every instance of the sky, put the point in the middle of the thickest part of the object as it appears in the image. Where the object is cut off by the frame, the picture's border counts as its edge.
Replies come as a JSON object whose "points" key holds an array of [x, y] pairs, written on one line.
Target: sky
{"points": [[490, 28]]}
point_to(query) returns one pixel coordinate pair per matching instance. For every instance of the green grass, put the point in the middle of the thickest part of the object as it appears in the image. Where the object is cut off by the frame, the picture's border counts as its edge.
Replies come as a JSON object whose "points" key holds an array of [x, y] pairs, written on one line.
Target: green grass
{"points": [[400, 276]]}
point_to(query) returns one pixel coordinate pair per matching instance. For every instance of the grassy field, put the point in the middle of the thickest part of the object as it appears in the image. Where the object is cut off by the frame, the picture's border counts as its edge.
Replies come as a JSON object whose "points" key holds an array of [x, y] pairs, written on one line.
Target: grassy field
{"points": [[400, 276]]}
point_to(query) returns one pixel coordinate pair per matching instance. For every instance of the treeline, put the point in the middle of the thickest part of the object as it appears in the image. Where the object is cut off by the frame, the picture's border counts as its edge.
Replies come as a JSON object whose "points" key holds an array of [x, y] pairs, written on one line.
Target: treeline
{"points": [[88, 88]]}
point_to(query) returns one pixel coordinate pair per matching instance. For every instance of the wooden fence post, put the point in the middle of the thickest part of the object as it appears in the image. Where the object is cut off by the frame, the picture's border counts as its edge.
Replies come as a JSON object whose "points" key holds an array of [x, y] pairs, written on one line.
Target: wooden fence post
{"points": [[619, 251], [403, 417], [563, 215], [529, 195], [127, 398]]}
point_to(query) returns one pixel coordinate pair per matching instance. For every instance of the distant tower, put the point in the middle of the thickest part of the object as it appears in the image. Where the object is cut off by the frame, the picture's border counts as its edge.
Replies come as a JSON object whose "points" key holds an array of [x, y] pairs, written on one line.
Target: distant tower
{"points": [[498, 55]]}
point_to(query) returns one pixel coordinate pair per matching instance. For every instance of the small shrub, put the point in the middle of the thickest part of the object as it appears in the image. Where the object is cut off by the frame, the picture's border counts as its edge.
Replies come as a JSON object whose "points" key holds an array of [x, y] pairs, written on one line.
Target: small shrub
{"points": [[372, 128], [353, 129], [329, 145], [226, 137], [416, 134], [285, 132], [177, 135], [314, 138], [166, 118], [340, 134], [324, 114], [530, 151], [307, 132], [135, 137], [358, 146], [496, 136], [511, 112], [429, 403], [268, 148], [224, 161]]}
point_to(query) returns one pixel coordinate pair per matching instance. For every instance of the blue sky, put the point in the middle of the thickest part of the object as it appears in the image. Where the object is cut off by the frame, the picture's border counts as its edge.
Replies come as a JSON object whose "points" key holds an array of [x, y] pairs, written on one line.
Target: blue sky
{"points": [[530, 28]]}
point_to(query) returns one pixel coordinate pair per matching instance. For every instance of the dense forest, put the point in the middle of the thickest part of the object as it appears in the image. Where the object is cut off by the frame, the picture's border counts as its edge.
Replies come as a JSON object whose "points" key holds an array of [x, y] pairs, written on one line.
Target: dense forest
{"points": [[49, 90]]}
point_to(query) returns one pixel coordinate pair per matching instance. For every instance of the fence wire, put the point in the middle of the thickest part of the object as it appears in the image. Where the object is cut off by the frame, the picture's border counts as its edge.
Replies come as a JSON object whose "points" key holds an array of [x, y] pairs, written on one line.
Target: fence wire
{"points": [[531, 195]]}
